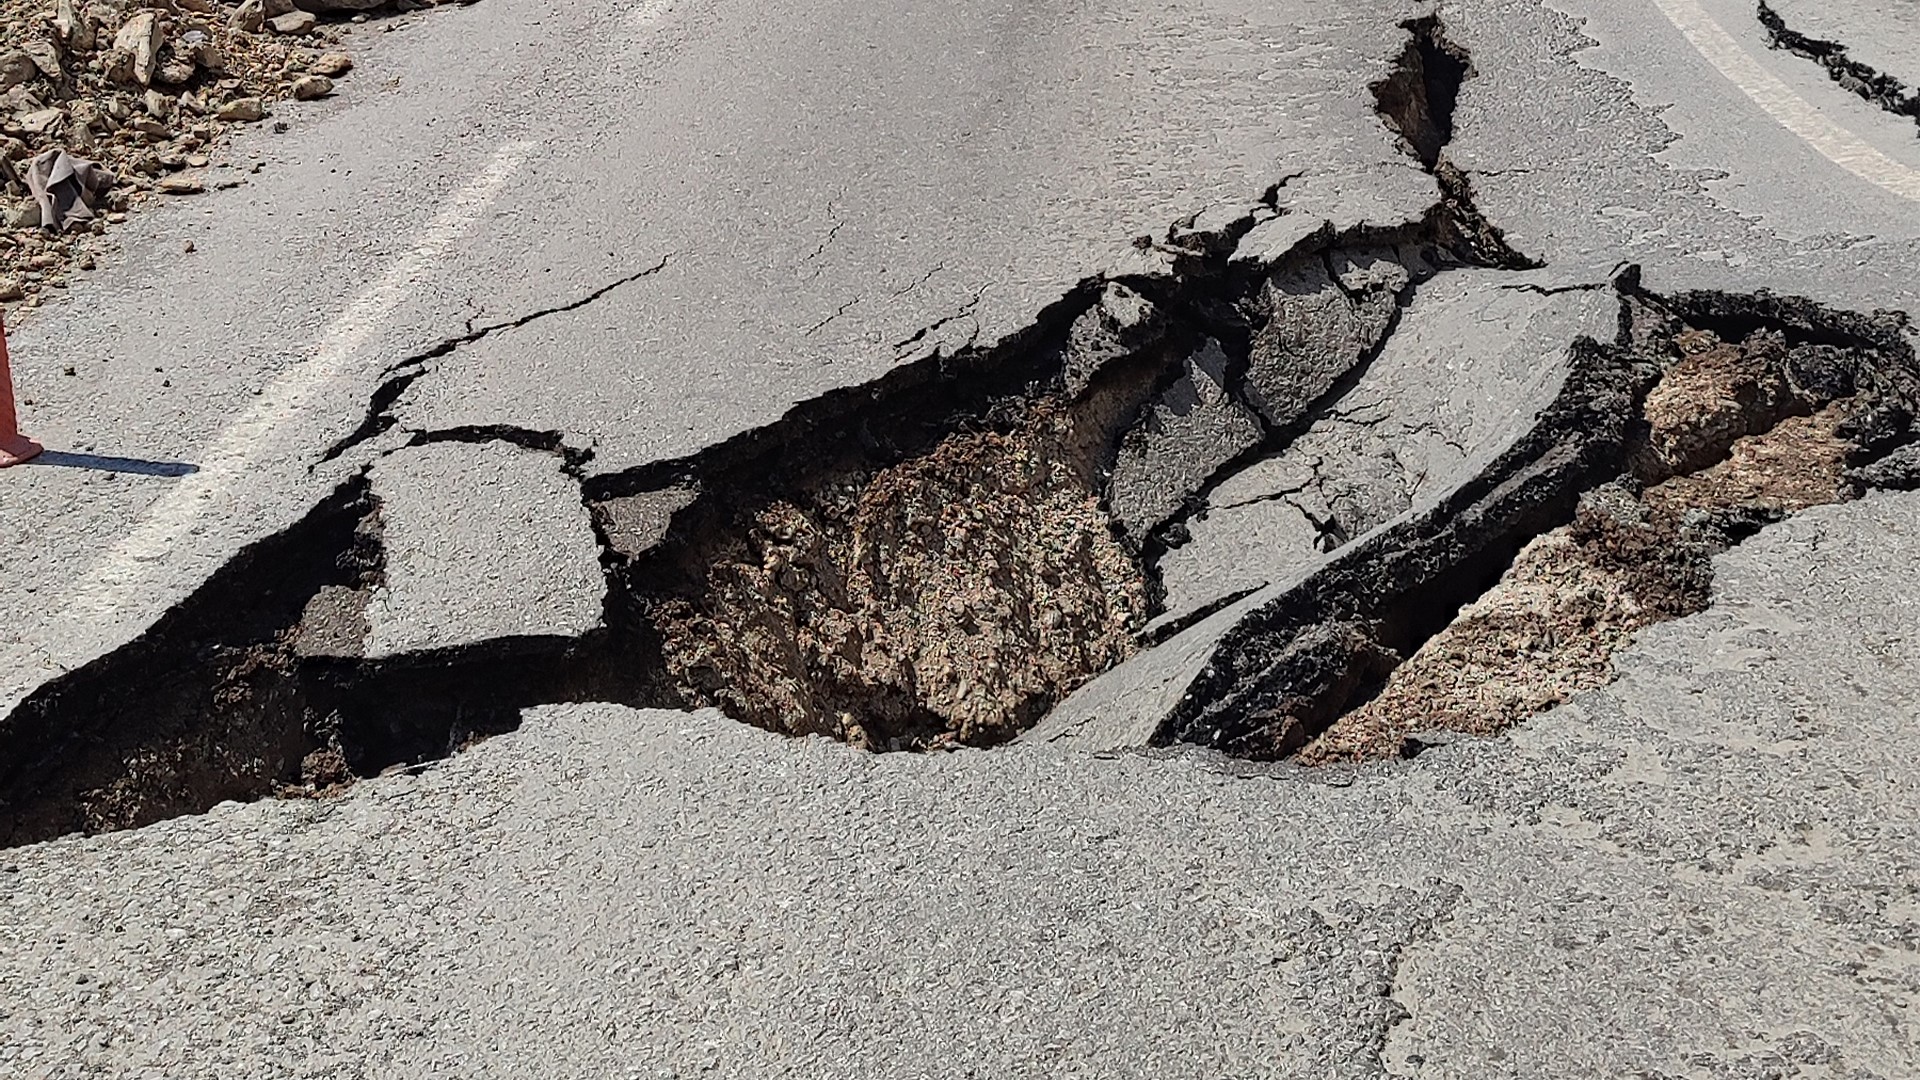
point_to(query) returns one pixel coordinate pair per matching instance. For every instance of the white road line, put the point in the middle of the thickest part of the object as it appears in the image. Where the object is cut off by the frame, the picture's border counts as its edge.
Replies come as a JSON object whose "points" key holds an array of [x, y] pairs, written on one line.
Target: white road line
{"points": [[244, 444], [1835, 143]]}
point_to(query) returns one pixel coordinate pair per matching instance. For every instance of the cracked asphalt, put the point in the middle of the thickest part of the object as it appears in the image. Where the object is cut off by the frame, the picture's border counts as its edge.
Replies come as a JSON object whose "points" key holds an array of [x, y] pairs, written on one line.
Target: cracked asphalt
{"points": [[550, 244]]}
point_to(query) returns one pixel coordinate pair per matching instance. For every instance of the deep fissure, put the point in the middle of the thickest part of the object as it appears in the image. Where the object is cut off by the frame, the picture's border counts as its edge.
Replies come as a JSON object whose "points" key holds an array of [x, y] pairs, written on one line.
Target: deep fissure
{"points": [[1861, 79], [1491, 608], [940, 556]]}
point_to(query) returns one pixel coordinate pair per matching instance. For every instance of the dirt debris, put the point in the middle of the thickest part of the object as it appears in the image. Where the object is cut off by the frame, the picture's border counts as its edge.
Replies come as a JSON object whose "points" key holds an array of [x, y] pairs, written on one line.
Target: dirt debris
{"points": [[1732, 441], [953, 597], [149, 92]]}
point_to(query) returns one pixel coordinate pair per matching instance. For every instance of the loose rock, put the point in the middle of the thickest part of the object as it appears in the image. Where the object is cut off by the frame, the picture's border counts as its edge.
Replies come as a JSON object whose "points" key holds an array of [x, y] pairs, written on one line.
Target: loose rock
{"points": [[310, 87], [142, 88], [16, 67], [249, 18], [243, 110], [140, 40], [42, 121], [294, 23], [332, 65]]}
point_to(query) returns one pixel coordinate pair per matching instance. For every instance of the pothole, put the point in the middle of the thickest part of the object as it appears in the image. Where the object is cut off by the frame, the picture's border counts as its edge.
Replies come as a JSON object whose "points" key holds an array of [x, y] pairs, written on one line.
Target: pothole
{"points": [[951, 597], [1742, 411], [946, 555]]}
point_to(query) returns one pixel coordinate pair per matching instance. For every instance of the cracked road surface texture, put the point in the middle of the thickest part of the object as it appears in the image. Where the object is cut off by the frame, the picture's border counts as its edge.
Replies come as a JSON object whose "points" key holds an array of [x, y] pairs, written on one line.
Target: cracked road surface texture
{"points": [[1705, 869], [447, 426]]}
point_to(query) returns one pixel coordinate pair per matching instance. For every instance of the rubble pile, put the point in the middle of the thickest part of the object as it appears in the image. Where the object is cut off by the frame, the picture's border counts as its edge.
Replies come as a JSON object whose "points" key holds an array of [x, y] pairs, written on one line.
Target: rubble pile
{"points": [[144, 92]]}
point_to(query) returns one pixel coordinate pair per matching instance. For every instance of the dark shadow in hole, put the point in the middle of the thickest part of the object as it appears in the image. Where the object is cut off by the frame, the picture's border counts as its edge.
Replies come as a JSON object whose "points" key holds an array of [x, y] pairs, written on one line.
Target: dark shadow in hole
{"points": [[101, 463]]}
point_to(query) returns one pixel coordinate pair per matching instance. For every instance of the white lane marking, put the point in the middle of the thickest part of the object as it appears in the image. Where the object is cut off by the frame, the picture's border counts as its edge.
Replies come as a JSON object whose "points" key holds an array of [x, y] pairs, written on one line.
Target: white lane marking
{"points": [[1835, 143], [242, 445]]}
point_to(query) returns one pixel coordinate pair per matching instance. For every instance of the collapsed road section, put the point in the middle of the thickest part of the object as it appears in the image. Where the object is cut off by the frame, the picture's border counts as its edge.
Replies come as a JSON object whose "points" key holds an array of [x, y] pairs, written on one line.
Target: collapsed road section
{"points": [[1311, 493]]}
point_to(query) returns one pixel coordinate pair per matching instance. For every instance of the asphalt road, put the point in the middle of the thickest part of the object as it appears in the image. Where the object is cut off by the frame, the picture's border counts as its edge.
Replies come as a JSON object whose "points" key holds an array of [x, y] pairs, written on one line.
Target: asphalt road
{"points": [[683, 219], [1707, 869]]}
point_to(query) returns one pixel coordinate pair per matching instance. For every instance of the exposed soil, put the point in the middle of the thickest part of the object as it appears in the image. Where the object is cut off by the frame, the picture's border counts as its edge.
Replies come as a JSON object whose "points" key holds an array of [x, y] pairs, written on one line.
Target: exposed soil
{"points": [[1731, 442], [937, 557], [954, 596]]}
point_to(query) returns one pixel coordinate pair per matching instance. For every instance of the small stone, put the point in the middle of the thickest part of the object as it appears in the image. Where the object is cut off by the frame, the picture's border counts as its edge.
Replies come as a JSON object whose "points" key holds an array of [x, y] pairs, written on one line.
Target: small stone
{"points": [[152, 129], [140, 38], [175, 72], [310, 87], [117, 66], [277, 8], [16, 68], [249, 18], [244, 110], [24, 216], [10, 290], [294, 23], [333, 65], [209, 56], [46, 57], [180, 185], [187, 248], [41, 121], [158, 105], [86, 262], [197, 161], [74, 29]]}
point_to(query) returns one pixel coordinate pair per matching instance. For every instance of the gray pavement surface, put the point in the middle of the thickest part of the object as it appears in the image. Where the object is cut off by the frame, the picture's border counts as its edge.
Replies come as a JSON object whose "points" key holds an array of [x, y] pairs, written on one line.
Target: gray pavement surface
{"points": [[483, 541], [632, 231], [1476, 357], [1707, 869]]}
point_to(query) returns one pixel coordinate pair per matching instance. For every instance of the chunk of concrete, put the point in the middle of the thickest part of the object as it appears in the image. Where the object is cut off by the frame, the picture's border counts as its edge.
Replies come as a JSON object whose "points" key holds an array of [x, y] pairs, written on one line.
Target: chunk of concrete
{"points": [[483, 541], [1473, 358], [1319, 327], [636, 524], [1120, 325], [1188, 435], [1456, 397]]}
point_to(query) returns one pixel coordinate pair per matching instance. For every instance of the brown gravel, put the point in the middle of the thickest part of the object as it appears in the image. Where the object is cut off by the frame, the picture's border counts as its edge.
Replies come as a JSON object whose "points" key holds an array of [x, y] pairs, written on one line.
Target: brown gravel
{"points": [[159, 138], [1633, 556], [954, 597]]}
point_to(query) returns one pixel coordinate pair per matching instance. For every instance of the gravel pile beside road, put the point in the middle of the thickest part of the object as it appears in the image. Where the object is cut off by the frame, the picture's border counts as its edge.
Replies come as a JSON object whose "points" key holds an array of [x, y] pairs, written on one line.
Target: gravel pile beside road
{"points": [[147, 92]]}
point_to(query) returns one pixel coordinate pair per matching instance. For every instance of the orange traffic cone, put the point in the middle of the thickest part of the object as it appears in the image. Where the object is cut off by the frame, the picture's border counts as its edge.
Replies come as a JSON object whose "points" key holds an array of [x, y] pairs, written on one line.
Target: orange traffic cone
{"points": [[14, 447]]}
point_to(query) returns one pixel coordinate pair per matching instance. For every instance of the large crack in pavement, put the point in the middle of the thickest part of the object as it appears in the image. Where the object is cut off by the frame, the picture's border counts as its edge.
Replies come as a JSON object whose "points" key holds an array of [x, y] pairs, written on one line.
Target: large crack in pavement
{"points": [[401, 375], [1707, 417], [1323, 490], [1870, 84]]}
